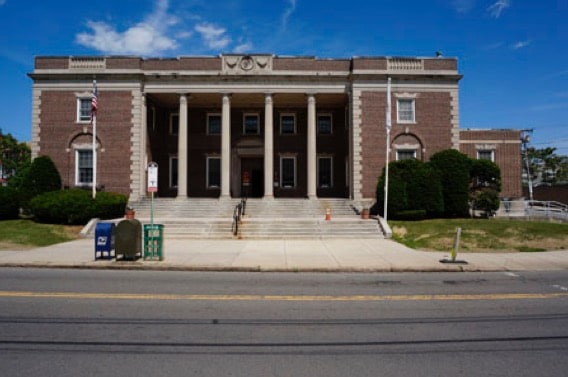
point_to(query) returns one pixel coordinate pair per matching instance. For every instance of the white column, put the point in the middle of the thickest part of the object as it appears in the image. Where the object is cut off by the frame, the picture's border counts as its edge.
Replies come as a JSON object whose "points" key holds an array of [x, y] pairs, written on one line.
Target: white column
{"points": [[182, 148], [311, 146], [226, 147], [268, 147]]}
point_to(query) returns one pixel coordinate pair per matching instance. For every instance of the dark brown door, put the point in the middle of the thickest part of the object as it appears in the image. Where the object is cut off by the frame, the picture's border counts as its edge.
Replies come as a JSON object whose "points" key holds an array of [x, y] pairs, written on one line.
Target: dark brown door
{"points": [[252, 177]]}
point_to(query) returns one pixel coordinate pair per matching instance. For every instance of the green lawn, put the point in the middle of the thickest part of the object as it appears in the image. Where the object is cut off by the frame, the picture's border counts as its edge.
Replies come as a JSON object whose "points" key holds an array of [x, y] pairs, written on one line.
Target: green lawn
{"points": [[26, 233], [481, 235]]}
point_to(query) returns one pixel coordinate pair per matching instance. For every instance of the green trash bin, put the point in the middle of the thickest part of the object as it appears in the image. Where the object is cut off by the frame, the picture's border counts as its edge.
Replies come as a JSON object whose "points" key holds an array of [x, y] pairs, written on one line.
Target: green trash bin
{"points": [[154, 241]]}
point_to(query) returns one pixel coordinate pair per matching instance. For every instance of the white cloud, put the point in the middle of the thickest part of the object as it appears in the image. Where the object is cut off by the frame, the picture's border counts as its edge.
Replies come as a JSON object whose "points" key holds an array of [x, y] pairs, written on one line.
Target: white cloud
{"points": [[498, 7], [213, 36], [243, 47], [463, 6], [288, 12], [145, 38], [520, 44]]}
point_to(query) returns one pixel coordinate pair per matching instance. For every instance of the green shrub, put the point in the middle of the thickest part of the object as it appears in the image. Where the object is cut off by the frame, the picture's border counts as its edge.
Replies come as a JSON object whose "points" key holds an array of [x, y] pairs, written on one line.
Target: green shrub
{"points": [[454, 168], [42, 176], [9, 205], [76, 206], [410, 215]]}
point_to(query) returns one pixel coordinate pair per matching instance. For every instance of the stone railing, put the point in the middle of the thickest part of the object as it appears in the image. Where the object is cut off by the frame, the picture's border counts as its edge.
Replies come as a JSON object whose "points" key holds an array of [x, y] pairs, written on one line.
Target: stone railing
{"points": [[87, 63], [405, 64]]}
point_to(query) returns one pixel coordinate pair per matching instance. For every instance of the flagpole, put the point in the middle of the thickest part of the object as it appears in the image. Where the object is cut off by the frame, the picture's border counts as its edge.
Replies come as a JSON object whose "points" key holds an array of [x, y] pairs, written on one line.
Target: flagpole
{"points": [[94, 120], [388, 128]]}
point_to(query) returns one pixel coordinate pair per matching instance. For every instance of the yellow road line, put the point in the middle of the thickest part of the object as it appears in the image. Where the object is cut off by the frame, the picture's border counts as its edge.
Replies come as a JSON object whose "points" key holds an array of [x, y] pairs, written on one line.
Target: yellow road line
{"points": [[145, 296]]}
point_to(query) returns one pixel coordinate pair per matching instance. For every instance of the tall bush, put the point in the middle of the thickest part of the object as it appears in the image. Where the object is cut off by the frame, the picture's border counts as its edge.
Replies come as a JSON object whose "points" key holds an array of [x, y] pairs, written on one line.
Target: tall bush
{"points": [[454, 168], [42, 176], [9, 206]]}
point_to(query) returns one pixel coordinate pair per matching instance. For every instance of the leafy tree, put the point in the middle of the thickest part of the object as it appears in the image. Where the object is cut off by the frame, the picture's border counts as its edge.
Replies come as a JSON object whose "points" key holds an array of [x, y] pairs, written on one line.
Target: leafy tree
{"points": [[485, 186], [42, 176], [454, 168], [14, 156], [545, 165]]}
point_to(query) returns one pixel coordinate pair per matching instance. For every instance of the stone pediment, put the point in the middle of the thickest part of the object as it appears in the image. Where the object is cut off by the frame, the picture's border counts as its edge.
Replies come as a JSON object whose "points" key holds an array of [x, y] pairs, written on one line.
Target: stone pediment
{"points": [[247, 64]]}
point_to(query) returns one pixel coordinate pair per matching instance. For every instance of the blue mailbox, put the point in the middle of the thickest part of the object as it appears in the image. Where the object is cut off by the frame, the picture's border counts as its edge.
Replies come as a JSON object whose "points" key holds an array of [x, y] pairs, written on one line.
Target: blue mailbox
{"points": [[104, 240]]}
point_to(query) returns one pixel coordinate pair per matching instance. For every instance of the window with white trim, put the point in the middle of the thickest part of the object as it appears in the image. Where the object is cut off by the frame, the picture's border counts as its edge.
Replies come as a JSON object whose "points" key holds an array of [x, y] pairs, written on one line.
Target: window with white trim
{"points": [[213, 172], [405, 154], [83, 167], [325, 172], [287, 171], [84, 109], [486, 154], [173, 171], [324, 124], [250, 124], [406, 110], [287, 124], [174, 123], [213, 124]]}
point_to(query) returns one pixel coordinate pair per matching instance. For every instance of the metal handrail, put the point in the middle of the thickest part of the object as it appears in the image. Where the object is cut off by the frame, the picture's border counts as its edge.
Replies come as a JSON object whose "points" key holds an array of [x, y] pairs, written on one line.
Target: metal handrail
{"points": [[535, 208], [237, 218]]}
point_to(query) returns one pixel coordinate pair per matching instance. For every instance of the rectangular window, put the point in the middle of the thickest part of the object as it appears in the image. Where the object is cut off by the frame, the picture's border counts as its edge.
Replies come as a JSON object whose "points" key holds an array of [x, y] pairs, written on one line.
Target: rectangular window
{"points": [[325, 172], [213, 172], [405, 111], [486, 154], [173, 171], [250, 124], [83, 110], [83, 167], [324, 125], [213, 124], [405, 154], [287, 124], [174, 124], [288, 172]]}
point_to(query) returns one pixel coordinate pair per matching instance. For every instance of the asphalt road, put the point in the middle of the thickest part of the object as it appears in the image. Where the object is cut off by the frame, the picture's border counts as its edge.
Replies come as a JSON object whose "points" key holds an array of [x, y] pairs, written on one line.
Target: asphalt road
{"points": [[136, 323]]}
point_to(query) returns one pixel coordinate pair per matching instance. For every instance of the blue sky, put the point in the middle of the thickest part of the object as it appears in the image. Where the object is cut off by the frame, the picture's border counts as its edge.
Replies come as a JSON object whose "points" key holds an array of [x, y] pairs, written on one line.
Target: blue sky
{"points": [[513, 53]]}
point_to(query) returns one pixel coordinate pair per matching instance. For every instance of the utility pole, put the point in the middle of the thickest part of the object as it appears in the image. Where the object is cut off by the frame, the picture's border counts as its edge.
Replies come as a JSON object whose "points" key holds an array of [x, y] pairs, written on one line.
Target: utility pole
{"points": [[525, 140]]}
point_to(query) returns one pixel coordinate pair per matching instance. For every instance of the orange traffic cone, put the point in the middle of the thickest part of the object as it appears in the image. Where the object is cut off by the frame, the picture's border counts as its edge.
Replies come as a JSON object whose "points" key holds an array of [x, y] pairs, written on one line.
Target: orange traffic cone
{"points": [[328, 214]]}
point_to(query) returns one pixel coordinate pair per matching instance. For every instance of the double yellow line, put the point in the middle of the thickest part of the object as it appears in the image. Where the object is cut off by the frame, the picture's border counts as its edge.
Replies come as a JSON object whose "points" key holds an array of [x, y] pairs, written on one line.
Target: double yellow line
{"points": [[315, 298]]}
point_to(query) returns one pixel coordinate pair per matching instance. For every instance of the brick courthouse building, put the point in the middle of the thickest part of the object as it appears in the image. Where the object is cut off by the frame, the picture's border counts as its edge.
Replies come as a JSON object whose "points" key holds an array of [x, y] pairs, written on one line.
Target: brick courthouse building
{"points": [[292, 126]]}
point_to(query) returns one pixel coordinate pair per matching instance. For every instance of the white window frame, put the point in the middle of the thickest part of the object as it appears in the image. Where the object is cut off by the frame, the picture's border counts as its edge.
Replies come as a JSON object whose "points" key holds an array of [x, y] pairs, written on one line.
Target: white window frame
{"points": [[321, 115], [209, 115], [80, 117], [282, 115], [282, 158], [245, 116], [405, 150], [172, 117], [492, 151], [398, 110], [330, 158], [207, 183], [78, 182], [171, 171]]}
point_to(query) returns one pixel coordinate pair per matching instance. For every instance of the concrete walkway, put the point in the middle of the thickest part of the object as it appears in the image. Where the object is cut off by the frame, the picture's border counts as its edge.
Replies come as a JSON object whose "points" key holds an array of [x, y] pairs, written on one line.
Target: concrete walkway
{"points": [[322, 255]]}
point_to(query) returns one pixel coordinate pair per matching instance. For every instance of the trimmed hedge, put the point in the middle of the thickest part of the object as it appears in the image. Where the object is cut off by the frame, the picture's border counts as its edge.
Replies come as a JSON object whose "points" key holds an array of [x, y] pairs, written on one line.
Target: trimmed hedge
{"points": [[9, 204], [410, 215], [76, 206], [454, 168], [42, 176]]}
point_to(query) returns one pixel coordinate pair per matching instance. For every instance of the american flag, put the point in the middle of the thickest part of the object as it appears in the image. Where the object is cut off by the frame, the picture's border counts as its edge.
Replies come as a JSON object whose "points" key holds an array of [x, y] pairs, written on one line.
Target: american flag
{"points": [[94, 99]]}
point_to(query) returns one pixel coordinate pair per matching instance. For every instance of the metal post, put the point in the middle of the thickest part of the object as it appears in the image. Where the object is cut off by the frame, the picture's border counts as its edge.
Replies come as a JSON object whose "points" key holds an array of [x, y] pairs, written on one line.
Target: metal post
{"points": [[388, 128]]}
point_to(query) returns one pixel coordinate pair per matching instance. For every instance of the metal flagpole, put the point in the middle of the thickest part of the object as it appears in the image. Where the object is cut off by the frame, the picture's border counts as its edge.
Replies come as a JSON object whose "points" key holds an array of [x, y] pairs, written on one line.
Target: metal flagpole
{"points": [[94, 120], [388, 128]]}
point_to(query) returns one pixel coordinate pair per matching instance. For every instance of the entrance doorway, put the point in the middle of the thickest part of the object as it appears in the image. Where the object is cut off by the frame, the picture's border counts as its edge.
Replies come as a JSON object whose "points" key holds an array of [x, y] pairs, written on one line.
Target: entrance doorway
{"points": [[252, 176]]}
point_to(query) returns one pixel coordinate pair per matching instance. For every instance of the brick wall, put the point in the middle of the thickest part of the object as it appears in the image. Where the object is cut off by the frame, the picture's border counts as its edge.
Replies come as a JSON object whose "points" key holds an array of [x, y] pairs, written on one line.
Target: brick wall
{"points": [[59, 131]]}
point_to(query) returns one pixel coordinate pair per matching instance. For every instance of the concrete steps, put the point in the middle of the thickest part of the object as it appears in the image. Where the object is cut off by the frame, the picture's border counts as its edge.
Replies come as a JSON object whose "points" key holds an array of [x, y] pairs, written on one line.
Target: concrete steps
{"points": [[264, 219]]}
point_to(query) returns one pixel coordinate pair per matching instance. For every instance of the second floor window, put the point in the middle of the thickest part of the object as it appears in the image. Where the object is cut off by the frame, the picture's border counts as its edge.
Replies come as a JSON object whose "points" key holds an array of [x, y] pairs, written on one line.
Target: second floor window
{"points": [[406, 113], [213, 124], [83, 109], [324, 125], [250, 126]]}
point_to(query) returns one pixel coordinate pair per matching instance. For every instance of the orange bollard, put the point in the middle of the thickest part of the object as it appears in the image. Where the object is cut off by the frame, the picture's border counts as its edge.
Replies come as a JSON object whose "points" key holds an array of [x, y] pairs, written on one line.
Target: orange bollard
{"points": [[328, 214]]}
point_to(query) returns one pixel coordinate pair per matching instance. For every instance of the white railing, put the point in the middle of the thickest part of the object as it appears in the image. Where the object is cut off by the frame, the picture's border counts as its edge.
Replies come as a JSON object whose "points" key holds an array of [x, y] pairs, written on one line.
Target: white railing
{"points": [[533, 208], [405, 64], [87, 63]]}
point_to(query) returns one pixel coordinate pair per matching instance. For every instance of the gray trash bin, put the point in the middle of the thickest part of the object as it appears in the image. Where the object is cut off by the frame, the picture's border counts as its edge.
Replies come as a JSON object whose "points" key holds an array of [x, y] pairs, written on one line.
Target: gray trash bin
{"points": [[128, 243]]}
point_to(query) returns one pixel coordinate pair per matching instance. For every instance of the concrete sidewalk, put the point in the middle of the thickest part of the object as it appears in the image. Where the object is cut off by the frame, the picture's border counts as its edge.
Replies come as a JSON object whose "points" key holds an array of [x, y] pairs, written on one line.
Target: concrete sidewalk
{"points": [[322, 255]]}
